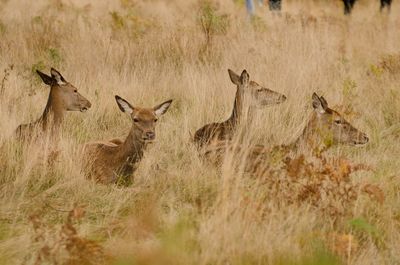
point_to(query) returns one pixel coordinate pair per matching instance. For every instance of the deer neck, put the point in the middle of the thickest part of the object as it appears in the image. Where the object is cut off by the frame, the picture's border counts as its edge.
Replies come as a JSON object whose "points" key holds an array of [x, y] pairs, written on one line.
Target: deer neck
{"points": [[237, 111], [54, 111], [132, 148], [311, 138]]}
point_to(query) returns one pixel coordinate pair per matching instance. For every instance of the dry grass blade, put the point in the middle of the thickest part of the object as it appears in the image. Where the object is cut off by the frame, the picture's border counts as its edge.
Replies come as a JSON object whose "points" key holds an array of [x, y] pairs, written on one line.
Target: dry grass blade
{"points": [[176, 208]]}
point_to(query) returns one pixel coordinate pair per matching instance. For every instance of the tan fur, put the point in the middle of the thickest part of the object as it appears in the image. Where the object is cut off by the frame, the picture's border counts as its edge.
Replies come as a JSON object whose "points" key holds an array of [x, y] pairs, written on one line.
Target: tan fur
{"points": [[116, 141], [248, 94], [325, 128], [63, 97], [105, 161]]}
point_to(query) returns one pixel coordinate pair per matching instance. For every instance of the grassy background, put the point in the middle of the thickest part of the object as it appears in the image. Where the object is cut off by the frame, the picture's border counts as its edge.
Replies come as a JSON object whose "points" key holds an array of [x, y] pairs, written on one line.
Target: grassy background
{"points": [[180, 210]]}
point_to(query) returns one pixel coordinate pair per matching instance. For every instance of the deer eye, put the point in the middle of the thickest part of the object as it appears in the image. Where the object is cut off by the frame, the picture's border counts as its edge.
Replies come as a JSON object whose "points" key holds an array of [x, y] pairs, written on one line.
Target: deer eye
{"points": [[135, 120], [155, 120], [338, 121], [75, 91]]}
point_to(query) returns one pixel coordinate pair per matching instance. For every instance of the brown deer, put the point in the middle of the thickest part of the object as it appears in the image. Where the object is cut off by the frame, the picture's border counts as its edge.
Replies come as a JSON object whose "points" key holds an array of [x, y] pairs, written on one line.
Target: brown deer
{"points": [[325, 128], [105, 161], [63, 97], [248, 94]]}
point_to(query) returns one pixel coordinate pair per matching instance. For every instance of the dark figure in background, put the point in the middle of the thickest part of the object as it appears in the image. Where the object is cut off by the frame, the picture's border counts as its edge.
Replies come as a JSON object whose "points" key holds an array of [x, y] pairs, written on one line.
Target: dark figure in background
{"points": [[275, 5], [386, 3], [348, 6]]}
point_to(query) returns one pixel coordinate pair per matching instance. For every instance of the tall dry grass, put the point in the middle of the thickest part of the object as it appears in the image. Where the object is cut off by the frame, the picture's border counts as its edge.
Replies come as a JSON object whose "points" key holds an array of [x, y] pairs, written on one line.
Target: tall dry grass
{"points": [[180, 209]]}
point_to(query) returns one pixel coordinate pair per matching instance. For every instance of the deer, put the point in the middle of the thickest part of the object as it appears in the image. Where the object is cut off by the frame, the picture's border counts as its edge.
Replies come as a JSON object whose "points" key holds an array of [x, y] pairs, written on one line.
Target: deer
{"points": [[325, 128], [249, 94], [63, 97], [106, 161]]}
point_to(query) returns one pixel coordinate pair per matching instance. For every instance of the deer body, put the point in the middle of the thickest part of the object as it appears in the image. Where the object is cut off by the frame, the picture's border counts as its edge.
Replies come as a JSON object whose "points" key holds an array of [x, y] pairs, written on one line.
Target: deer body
{"points": [[63, 97], [106, 161], [220, 130], [110, 160], [325, 128], [248, 94]]}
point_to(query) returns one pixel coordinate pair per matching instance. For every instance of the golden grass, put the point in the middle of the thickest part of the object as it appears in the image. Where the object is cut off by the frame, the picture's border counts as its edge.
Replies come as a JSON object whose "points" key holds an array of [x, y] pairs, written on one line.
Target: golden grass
{"points": [[179, 209]]}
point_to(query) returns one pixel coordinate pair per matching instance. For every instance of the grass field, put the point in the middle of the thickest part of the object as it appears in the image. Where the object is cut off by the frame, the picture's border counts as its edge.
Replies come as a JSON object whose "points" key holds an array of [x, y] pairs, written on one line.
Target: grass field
{"points": [[180, 209]]}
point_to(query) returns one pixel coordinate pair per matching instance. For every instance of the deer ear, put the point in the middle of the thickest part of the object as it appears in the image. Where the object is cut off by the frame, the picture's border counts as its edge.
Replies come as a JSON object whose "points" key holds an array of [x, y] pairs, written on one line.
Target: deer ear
{"points": [[324, 103], [48, 80], [58, 77], [162, 108], [319, 105], [244, 77], [124, 105], [234, 77]]}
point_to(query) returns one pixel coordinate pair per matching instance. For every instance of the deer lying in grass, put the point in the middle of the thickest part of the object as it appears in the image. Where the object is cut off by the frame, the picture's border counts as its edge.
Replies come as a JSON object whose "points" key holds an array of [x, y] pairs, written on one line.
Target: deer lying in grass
{"points": [[63, 97], [325, 128], [106, 161], [248, 94]]}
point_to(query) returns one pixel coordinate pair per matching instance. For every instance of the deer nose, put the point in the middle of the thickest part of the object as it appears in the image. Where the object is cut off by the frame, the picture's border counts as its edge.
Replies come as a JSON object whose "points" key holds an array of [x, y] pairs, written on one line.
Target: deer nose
{"points": [[87, 106], [150, 135], [362, 139], [283, 97]]}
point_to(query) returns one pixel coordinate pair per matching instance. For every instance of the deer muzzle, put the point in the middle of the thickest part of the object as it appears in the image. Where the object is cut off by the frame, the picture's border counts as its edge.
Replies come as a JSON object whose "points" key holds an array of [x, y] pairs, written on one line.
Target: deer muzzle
{"points": [[86, 106], [149, 136], [361, 139]]}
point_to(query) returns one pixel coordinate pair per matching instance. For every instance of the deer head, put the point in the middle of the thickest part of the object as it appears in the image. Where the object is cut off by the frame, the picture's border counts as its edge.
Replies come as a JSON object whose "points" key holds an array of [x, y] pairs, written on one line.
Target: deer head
{"points": [[256, 95], [331, 127], [143, 119], [62, 94]]}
